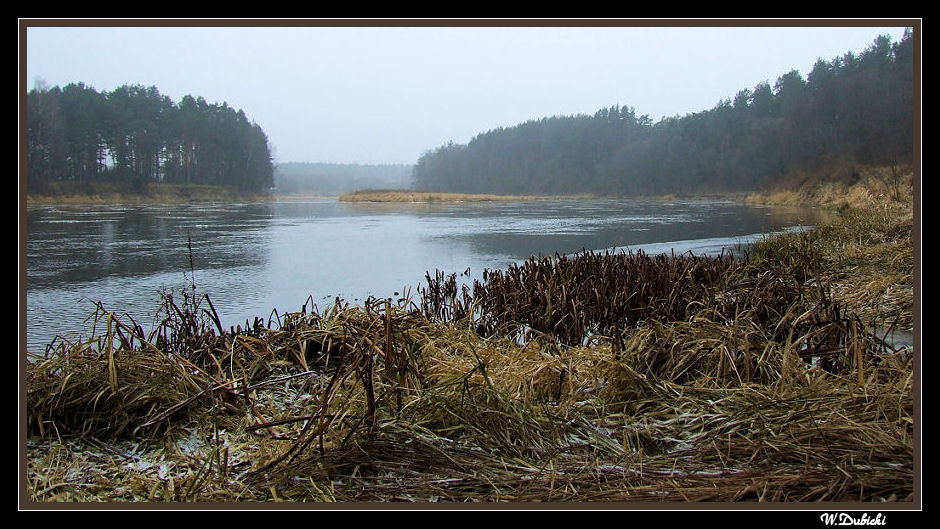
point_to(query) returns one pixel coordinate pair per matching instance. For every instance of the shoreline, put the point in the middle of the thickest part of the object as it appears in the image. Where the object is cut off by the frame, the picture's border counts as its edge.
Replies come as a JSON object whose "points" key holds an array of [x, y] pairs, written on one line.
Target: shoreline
{"points": [[663, 408], [871, 187], [110, 194]]}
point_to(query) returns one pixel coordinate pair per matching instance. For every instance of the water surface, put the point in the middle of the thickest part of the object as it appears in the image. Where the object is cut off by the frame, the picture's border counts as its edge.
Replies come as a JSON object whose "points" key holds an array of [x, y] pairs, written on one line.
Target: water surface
{"points": [[252, 258]]}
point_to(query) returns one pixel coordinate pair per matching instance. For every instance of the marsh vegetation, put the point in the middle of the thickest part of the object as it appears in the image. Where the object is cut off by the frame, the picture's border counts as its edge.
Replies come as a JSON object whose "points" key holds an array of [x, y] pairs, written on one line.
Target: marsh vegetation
{"points": [[617, 376]]}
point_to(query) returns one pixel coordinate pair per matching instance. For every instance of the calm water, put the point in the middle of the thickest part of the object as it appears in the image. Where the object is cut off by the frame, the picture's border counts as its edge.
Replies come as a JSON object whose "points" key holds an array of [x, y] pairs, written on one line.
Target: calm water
{"points": [[252, 258]]}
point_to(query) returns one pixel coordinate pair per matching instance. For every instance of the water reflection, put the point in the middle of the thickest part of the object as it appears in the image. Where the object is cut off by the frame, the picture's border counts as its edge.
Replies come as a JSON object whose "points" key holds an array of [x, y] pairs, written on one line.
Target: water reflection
{"points": [[68, 246], [255, 257]]}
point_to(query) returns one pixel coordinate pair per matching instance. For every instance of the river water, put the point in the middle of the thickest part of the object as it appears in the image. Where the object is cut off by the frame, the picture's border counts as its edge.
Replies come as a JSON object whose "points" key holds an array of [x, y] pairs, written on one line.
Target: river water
{"points": [[252, 258]]}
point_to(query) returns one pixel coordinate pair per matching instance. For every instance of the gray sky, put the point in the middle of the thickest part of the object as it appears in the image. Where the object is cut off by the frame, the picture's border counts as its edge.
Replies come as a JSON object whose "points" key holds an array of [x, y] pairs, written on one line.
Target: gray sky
{"points": [[386, 95]]}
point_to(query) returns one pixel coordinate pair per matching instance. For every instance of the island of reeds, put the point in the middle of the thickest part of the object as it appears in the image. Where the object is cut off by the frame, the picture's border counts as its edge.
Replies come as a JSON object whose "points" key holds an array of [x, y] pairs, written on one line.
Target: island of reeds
{"points": [[765, 375], [404, 195]]}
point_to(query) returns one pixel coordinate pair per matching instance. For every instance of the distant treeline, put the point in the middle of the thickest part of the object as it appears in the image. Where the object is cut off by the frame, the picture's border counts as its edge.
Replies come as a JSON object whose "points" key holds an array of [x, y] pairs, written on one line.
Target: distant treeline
{"points": [[134, 135], [854, 109], [336, 179]]}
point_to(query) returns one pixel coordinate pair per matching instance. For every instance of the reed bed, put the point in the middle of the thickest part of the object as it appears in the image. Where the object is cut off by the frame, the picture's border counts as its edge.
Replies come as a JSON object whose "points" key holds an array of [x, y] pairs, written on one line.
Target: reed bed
{"points": [[405, 195], [594, 377]]}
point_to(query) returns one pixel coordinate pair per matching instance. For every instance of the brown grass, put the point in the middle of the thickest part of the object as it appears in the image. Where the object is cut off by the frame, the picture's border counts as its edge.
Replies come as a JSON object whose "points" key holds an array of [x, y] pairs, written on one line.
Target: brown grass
{"points": [[394, 195], [74, 193], [608, 377], [857, 188]]}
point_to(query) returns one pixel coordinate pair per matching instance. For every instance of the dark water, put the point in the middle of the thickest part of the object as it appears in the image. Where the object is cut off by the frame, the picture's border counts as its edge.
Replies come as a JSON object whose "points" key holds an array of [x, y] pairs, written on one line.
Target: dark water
{"points": [[254, 257]]}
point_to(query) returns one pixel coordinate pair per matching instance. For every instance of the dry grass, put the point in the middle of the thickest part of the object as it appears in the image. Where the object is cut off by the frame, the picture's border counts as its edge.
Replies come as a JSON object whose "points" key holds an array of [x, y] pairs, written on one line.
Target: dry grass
{"points": [[869, 250], [395, 195], [862, 188], [745, 379], [75, 193]]}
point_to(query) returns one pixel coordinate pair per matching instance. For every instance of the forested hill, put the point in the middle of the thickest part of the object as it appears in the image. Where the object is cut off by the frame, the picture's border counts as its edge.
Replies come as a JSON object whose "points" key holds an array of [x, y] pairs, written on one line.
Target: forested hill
{"points": [[336, 179], [134, 135], [854, 109]]}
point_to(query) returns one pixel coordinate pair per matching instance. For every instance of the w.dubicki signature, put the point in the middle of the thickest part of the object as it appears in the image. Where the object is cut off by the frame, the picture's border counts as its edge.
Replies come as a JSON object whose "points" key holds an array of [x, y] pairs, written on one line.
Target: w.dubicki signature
{"points": [[844, 518]]}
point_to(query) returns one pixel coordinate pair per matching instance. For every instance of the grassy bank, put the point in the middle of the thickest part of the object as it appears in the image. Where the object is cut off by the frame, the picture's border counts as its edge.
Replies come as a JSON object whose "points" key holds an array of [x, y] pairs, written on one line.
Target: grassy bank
{"points": [[849, 187], [614, 377], [869, 249], [74, 193]]}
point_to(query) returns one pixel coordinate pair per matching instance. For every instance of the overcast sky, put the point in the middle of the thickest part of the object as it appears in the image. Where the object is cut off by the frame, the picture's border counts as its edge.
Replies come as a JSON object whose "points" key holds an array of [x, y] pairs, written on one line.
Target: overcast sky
{"points": [[386, 95]]}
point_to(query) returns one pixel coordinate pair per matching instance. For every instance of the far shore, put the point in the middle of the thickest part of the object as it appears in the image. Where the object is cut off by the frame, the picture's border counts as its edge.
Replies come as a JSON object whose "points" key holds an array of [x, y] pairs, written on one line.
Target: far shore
{"points": [[406, 195], [872, 185], [181, 194], [101, 193]]}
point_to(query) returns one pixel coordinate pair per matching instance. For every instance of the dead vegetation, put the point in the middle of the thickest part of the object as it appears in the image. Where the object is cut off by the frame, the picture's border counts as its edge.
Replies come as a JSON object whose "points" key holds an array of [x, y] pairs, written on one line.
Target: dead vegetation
{"points": [[870, 249], [595, 377], [399, 195]]}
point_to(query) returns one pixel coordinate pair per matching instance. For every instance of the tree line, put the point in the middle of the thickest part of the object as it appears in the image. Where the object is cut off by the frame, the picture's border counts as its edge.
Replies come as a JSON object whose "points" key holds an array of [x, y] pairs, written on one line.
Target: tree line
{"points": [[854, 109], [136, 136]]}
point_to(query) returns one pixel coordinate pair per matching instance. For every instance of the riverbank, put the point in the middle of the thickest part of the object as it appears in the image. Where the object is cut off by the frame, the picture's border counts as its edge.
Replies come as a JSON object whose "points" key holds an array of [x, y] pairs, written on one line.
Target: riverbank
{"points": [[857, 188], [870, 246], [75, 193], [763, 379], [176, 194]]}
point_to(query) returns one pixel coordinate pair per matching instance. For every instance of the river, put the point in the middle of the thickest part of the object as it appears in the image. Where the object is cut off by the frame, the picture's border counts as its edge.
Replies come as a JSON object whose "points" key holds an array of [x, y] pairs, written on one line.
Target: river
{"points": [[252, 258]]}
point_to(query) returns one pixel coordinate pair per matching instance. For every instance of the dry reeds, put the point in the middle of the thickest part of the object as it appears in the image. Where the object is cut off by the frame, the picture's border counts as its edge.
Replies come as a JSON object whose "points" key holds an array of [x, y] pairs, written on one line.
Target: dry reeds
{"points": [[400, 195], [594, 377]]}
